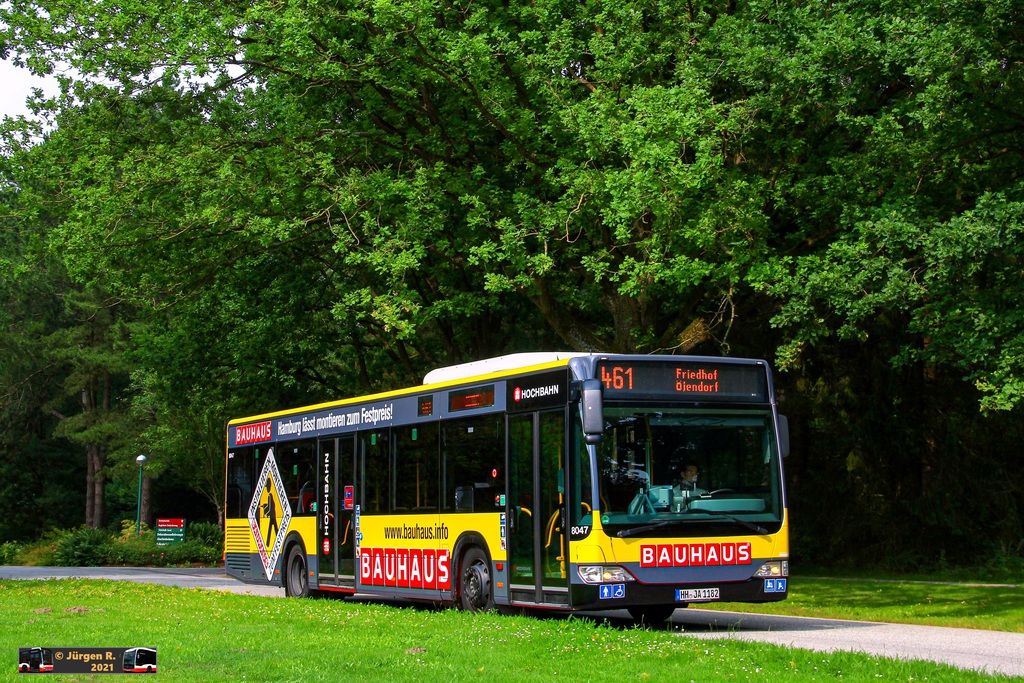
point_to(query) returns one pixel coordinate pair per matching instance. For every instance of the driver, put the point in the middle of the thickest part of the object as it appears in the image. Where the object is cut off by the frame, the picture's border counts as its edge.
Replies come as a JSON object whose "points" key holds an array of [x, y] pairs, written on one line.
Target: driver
{"points": [[689, 475], [687, 484]]}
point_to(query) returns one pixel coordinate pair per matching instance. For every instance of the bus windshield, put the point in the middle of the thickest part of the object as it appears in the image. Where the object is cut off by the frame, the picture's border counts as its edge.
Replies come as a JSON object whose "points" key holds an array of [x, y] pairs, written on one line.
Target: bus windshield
{"points": [[677, 471]]}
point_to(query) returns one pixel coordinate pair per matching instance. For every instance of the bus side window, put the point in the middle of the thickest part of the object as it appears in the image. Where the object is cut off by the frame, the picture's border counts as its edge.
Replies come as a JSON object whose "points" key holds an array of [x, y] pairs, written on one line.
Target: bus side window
{"points": [[296, 464], [240, 478], [581, 490], [472, 453], [415, 466], [376, 471]]}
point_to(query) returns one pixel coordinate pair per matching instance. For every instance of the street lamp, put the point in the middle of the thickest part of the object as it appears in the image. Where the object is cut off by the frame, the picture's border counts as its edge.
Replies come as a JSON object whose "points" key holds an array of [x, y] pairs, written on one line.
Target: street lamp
{"points": [[141, 462]]}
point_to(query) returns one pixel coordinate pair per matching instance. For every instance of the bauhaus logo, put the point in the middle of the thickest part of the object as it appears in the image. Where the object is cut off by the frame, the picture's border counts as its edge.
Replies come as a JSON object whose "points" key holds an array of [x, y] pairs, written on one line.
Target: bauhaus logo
{"points": [[254, 433], [694, 554], [405, 568]]}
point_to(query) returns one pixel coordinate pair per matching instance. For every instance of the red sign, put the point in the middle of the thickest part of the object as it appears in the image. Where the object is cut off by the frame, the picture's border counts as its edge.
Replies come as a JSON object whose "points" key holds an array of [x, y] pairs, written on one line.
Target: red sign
{"points": [[261, 431], [170, 523]]}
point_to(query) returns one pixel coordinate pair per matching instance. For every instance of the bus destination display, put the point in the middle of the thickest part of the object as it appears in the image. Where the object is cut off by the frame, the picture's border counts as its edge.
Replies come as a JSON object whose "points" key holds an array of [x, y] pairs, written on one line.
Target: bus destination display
{"points": [[696, 380]]}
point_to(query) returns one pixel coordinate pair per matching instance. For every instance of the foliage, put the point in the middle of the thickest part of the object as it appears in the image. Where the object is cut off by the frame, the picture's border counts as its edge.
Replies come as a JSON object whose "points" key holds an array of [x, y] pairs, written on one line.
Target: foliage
{"points": [[88, 547], [259, 206], [130, 532], [38, 468], [40, 553], [82, 547], [9, 552], [206, 534], [144, 552]]}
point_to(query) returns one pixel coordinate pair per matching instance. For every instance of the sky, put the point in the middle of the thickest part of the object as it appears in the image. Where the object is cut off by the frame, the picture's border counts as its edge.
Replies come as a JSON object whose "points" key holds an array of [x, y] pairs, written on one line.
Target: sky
{"points": [[16, 85]]}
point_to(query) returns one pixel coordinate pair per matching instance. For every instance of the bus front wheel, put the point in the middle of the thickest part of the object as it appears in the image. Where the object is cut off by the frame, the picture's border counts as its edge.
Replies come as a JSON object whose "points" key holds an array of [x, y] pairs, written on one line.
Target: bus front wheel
{"points": [[475, 593], [296, 578]]}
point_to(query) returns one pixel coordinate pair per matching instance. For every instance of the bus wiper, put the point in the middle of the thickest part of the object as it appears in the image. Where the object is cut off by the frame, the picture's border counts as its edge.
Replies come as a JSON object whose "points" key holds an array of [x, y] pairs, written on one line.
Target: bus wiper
{"points": [[625, 533], [756, 528]]}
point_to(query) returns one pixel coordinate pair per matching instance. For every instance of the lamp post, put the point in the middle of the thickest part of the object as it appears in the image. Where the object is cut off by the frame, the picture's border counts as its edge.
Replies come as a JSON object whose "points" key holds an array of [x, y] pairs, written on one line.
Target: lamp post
{"points": [[141, 462]]}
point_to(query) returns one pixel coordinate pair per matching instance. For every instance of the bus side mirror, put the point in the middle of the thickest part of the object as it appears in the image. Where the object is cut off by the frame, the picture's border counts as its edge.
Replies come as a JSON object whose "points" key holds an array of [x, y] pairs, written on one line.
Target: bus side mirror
{"points": [[784, 435], [591, 408]]}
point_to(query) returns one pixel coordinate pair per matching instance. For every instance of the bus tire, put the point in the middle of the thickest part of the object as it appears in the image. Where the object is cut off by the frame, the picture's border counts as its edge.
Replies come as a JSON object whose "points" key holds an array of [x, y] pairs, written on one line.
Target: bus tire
{"points": [[652, 615], [475, 593], [296, 576]]}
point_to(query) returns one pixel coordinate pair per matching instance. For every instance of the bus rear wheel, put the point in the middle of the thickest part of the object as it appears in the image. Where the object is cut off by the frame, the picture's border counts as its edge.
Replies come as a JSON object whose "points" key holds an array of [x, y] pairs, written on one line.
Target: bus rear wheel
{"points": [[652, 614], [296, 578], [475, 582]]}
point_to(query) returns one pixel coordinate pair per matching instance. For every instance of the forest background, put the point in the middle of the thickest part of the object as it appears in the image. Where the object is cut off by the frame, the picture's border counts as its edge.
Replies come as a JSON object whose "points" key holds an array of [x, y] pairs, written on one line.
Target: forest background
{"points": [[238, 207]]}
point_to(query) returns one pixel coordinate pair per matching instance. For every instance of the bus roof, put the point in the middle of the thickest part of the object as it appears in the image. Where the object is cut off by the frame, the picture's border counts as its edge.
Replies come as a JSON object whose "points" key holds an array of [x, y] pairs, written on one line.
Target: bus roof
{"points": [[491, 368], [514, 361]]}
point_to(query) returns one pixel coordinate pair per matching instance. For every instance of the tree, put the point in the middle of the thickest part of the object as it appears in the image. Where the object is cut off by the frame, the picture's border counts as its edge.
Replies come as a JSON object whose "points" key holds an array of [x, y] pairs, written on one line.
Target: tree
{"points": [[40, 473], [513, 153], [332, 196]]}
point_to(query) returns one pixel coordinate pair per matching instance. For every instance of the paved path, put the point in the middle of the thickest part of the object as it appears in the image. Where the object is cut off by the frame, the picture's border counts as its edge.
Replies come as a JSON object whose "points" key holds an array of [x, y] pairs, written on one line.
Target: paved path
{"points": [[187, 578], [989, 651]]}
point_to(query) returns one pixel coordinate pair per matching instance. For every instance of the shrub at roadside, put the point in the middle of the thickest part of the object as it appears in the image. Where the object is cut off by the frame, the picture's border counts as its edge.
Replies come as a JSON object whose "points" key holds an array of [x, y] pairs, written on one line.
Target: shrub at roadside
{"points": [[207, 534], [84, 547], [9, 552], [188, 552], [40, 553]]}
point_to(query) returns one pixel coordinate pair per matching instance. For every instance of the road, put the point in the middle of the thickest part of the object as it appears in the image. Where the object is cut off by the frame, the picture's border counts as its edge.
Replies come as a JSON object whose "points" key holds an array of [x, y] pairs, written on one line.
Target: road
{"points": [[989, 651]]}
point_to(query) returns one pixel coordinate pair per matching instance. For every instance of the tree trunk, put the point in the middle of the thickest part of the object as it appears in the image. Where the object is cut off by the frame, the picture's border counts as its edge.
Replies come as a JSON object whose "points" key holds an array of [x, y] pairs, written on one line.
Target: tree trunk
{"points": [[99, 485], [96, 456], [90, 477], [147, 502]]}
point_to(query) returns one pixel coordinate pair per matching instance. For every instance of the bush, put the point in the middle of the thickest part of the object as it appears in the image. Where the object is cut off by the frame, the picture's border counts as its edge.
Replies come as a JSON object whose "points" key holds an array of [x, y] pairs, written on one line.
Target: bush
{"points": [[190, 552], [143, 551], [40, 553], [128, 531], [83, 547], [9, 552], [205, 533], [131, 551]]}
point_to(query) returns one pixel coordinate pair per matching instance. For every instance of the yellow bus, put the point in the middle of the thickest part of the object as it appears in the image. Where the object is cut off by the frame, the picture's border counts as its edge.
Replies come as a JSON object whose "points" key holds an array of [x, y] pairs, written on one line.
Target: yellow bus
{"points": [[562, 481]]}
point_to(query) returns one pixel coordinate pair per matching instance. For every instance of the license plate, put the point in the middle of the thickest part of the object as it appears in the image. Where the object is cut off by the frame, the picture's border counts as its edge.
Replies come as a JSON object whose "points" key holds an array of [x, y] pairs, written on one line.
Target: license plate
{"points": [[697, 594]]}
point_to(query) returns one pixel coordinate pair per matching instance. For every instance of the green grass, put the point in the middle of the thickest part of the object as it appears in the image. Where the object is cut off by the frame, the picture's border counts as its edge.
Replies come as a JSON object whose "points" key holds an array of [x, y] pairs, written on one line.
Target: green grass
{"points": [[208, 635], [995, 608]]}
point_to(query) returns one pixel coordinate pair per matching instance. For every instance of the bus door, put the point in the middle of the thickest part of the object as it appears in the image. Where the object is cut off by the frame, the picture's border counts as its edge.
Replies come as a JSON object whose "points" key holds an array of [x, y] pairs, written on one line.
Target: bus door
{"points": [[335, 524], [537, 548]]}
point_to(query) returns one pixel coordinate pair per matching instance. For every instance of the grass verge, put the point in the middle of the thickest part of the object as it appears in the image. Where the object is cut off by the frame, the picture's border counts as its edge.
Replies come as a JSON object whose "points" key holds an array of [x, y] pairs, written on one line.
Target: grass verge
{"points": [[206, 635], [995, 608]]}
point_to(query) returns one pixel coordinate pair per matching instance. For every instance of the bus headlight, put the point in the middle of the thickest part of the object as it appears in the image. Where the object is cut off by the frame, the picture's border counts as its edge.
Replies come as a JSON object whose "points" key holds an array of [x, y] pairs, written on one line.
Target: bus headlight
{"points": [[773, 569], [604, 573]]}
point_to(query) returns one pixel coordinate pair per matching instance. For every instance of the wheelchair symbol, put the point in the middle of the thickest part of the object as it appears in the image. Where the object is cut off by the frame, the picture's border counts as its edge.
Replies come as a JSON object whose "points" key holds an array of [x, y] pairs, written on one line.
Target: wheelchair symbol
{"points": [[613, 591]]}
